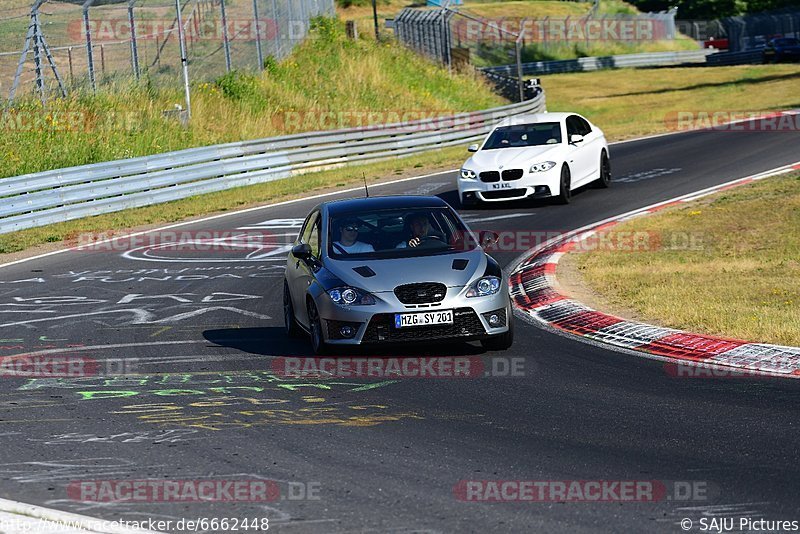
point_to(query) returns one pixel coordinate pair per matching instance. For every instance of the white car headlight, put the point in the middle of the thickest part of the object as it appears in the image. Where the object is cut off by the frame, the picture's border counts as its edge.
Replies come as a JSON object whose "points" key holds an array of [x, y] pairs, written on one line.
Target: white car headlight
{"points": [[483, 287], [543, 166], [350, 296], [467, 174]]}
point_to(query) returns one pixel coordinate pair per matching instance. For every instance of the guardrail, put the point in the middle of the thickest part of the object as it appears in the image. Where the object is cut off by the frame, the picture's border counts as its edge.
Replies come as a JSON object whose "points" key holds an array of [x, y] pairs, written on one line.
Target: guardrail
{"points": [[708, 56], [649, 59], [736, 58], [43, 198]]}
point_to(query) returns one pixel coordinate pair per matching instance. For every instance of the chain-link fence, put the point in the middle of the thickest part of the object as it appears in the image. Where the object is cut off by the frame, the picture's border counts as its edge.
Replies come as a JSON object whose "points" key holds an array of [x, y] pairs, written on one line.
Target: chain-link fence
{"points": [[753, 31], [56, 47], [454, 35], [702, 30]]}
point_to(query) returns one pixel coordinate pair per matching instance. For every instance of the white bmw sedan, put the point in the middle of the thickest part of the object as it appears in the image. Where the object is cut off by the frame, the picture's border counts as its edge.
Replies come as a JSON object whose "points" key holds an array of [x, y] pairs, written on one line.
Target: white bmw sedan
{"points": [[535, 156]]}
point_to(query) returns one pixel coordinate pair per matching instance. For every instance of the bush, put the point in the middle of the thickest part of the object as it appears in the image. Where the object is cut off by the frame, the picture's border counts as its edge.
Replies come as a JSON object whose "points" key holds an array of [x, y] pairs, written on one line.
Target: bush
{"points": [[328, 30], [237, 85]]}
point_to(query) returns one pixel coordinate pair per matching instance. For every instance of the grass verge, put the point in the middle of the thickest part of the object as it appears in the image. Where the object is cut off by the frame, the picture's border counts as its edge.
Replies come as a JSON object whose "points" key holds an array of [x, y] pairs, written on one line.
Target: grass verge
{"points": [[741, 278], [328, 82]]}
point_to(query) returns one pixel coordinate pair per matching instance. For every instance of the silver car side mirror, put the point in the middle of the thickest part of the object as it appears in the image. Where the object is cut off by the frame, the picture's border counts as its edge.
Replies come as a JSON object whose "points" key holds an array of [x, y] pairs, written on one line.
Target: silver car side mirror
{"points": [[575, 139], [302, 251], [473, 147]]}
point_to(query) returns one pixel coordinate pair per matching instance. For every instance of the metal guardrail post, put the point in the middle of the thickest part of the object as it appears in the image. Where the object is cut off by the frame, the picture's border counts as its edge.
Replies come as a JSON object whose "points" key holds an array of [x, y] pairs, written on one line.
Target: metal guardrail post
{"points": [[23, 56], [225, 43], [276, 38], [50, 61], [71, 71], [375, 20], [289, 23], [184, 61], [37, 59], [257, 22], [518, 51], [89, 54], [134, 47]]}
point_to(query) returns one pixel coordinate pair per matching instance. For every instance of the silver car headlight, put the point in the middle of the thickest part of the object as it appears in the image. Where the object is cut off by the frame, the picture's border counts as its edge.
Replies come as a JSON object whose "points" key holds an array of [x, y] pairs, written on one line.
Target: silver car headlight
{"points": [[350, 296], [543, 166], [483, 287], [468, 174]]}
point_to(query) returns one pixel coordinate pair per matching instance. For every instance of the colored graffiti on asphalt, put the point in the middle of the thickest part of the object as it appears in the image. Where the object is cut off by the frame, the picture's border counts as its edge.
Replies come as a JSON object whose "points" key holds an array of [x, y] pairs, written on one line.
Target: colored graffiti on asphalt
{"points": [[222, 400]]}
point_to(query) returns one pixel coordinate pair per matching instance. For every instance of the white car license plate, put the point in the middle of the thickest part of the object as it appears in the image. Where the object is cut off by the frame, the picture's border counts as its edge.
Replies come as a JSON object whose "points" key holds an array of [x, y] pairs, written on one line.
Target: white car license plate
{"points": [[402, 320]]}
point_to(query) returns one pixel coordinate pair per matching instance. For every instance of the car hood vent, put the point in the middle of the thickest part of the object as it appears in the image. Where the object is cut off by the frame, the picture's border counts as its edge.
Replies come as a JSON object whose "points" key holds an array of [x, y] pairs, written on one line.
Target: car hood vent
{"points": [[460, 264], [364, 271]]}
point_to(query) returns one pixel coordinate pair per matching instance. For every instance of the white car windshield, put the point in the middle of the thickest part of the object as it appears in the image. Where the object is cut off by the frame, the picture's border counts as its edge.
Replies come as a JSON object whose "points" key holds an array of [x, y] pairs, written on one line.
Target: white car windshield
{"points": [[522, 135]]}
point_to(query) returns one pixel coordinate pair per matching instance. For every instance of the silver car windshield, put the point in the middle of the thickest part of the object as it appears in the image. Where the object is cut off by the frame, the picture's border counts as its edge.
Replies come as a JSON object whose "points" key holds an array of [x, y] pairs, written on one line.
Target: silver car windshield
{"points": [[397, 233], [522, 135]]}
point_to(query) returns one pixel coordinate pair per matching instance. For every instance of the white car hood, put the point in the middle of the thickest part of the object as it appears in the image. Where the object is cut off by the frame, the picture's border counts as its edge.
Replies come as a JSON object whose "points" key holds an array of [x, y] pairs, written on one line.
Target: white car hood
{"points": [[513, 158]]}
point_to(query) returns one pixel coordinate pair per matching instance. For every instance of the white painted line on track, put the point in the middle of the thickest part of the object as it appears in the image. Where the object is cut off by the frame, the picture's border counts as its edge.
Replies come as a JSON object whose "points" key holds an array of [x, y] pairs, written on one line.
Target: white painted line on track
{"points": [[499, 217], [18, 517]]}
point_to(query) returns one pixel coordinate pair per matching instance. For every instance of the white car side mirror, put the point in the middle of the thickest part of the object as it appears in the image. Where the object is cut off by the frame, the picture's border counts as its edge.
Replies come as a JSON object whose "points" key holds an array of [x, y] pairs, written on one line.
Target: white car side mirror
{"points": [[575, 138], [473, 147]]}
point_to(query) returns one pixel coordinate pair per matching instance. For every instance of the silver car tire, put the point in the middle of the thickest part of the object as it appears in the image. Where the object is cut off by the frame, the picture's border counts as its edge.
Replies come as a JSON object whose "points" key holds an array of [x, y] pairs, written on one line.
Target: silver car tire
{"points": [[289, 321], [318, 344]]}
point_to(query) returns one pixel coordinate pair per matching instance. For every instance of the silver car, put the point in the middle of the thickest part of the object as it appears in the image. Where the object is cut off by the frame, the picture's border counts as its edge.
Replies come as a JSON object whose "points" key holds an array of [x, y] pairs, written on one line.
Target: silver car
{"points": [[394, 269]]}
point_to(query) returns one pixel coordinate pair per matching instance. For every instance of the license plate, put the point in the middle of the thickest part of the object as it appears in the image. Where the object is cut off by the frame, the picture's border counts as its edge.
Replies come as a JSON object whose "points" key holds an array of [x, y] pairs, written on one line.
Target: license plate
{"points": [[402, 320]]}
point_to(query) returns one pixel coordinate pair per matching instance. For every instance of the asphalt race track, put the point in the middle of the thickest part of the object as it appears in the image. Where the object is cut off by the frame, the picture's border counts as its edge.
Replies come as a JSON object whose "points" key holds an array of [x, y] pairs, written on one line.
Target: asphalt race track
{"points": [[200, 328]]}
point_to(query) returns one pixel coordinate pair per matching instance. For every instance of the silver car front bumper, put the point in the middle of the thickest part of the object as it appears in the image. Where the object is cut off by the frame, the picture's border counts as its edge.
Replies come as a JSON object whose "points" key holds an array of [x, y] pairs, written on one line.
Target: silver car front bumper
{"points": [[375, 323]]}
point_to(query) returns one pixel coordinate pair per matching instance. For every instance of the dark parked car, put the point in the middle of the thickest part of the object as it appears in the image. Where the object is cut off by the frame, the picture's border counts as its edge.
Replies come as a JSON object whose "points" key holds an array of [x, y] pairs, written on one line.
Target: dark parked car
{"points": [[782, 49]]}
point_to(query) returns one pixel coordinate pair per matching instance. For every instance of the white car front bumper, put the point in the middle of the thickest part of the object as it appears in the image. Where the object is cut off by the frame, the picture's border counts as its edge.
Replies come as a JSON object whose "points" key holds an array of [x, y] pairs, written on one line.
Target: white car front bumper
{"points": [[530, 185]]}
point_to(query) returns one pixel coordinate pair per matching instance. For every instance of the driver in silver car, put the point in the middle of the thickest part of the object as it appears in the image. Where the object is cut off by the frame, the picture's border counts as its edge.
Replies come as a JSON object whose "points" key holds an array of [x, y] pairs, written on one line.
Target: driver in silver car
{"points": [[348, 239], [420, 227]]}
